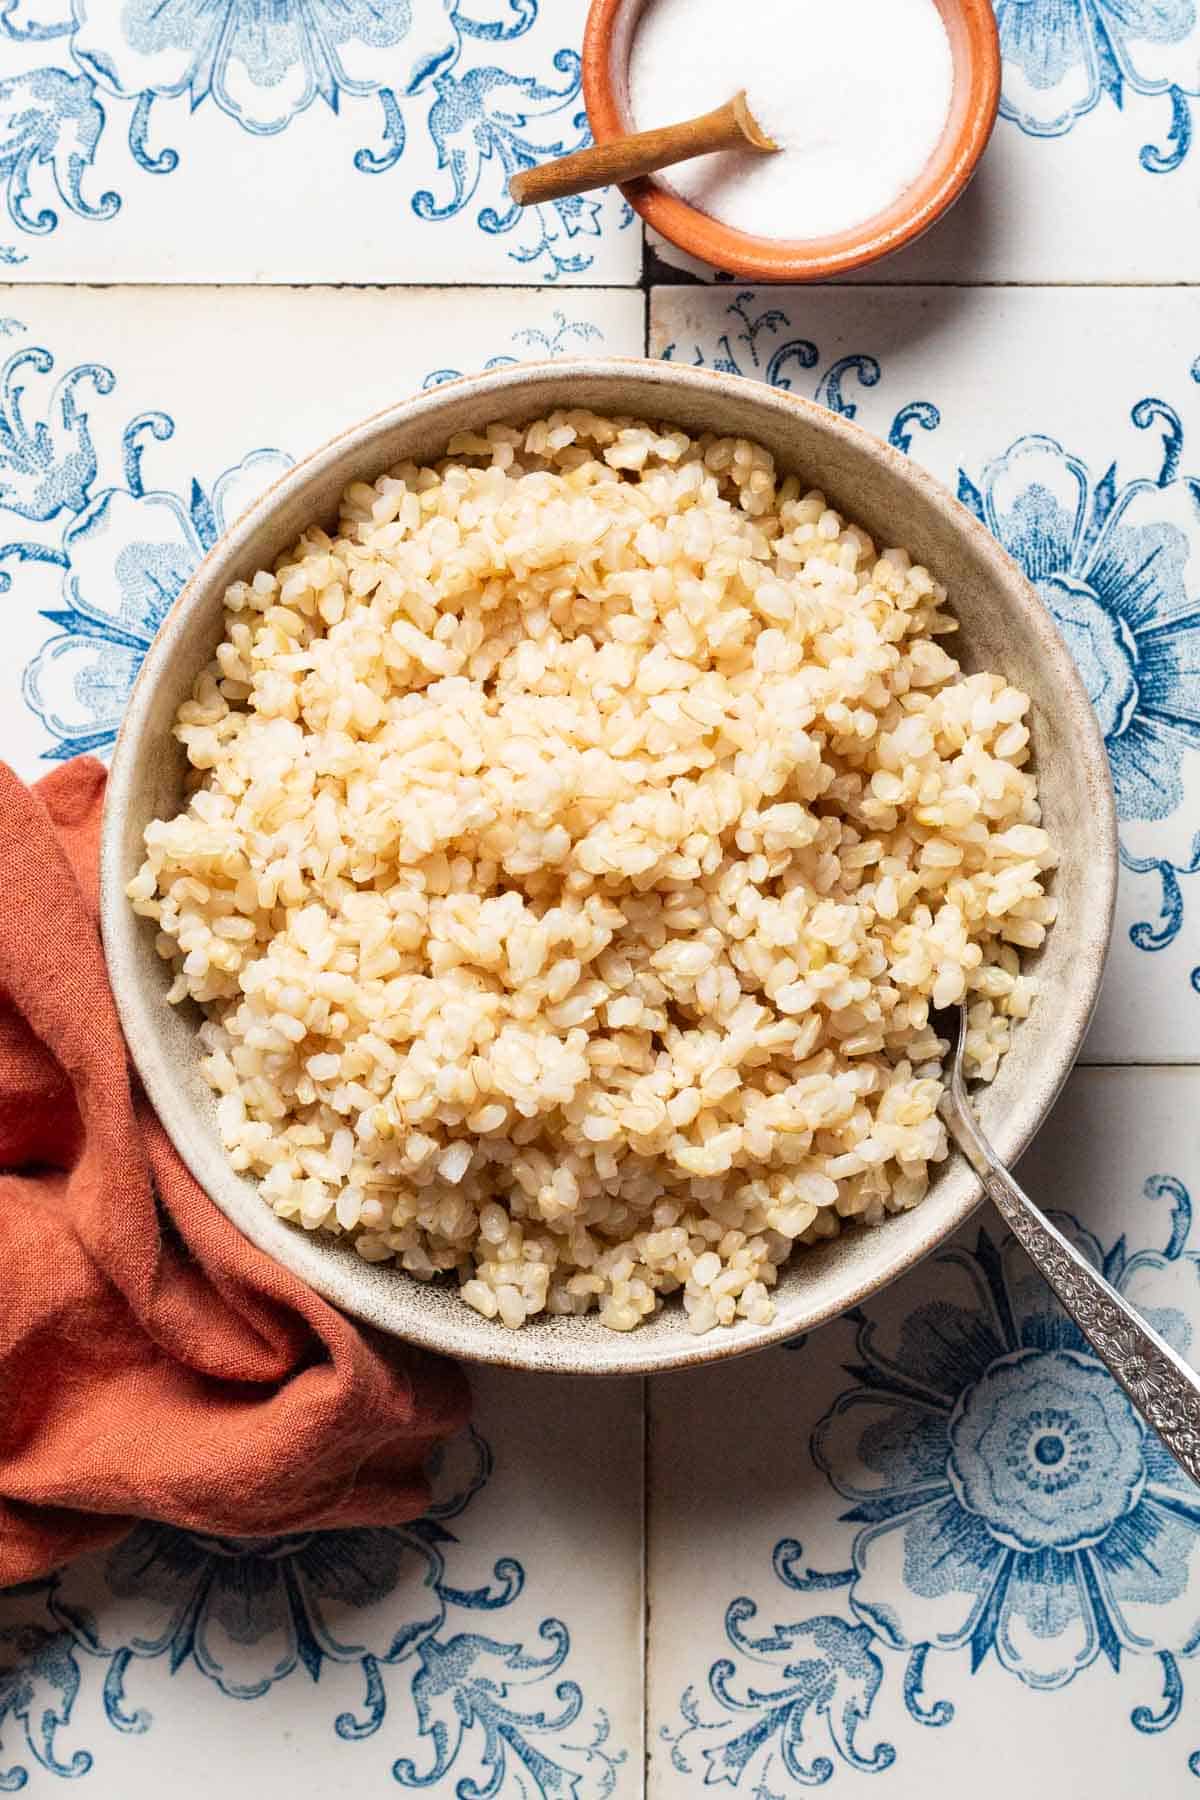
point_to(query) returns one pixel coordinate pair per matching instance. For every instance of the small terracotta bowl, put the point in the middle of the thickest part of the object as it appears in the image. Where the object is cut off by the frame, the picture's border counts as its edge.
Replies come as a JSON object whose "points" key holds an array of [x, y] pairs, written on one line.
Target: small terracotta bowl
{"points": [[1005, 626], [975, 48]]}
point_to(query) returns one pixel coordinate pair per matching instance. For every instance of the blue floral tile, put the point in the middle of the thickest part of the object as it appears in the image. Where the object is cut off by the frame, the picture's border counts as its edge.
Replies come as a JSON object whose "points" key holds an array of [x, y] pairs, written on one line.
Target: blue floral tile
{"points": [[1072, 429], [305, 140], [937, 1524], [1062, 62], [1093, 173], [492, 1647], [117, 471]]}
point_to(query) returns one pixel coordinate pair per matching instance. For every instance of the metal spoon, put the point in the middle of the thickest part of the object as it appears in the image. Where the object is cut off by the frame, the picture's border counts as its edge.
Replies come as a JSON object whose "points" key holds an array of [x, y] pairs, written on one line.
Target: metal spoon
{"points": [[1163, 1389]]}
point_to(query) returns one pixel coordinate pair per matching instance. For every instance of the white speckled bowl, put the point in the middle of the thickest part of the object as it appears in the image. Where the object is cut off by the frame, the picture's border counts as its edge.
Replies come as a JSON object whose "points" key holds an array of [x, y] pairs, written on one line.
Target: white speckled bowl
{"points": [[1005, 626]]}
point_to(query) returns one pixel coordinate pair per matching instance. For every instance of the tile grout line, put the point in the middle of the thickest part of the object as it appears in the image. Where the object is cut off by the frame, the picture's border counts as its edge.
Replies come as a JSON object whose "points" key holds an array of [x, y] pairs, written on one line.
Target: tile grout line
{"points": [[646, 289], [1134, 1062], [725, 282], [649, 283], [645, 282], [645, 1584], [653, 283]]}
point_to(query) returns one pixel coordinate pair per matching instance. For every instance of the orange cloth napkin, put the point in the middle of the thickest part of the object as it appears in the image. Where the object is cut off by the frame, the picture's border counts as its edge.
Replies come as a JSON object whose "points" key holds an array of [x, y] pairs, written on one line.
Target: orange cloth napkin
{"points": [[153, 1362]]}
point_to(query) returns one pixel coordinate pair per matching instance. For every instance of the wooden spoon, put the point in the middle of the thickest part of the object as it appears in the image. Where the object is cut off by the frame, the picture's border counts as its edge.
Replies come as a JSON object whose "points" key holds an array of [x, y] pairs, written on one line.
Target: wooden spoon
{"points": [[730, 127]]}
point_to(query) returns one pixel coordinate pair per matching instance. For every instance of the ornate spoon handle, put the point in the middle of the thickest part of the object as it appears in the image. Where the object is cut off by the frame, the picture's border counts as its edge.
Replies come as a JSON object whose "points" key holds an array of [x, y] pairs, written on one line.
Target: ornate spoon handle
{"points": [[1162, 1387]]}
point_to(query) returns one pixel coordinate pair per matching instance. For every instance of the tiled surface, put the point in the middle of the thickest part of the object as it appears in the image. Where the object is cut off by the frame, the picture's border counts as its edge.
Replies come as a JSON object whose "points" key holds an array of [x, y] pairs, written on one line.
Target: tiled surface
{"points": [[1048, 410], [474, 1648], [334, 140], [142, 397], [1091, 175], [1003, 1589], [936, 1556]]}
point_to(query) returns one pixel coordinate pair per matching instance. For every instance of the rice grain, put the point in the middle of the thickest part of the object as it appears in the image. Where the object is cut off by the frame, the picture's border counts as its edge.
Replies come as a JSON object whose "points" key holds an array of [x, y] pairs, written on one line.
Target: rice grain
{"points": [[576, 842]]}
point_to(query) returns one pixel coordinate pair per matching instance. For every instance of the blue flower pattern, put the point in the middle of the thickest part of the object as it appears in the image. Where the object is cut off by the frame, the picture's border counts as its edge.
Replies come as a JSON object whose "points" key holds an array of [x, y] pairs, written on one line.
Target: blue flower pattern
{"points": [[1005, 1500], [421, 62], [264, 66], [1062, 57], [124, 550], [751, 346], [1112, 559], [246, 1615], [569, 338]]}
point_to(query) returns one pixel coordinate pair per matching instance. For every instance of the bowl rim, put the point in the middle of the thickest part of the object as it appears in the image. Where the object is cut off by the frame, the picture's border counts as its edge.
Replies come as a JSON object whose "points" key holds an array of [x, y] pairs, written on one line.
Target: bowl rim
{"points": [[140, 1016], [750, 258]]}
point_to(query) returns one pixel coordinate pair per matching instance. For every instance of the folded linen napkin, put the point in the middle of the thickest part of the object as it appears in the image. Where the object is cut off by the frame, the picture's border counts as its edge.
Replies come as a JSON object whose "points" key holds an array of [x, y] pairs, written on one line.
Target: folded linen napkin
{"points": [[153, 1362]]}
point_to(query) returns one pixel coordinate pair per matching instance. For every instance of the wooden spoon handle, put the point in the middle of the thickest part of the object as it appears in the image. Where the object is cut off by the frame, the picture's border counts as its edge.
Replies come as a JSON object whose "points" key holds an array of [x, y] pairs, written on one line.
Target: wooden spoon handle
{"points": [[625, 158]]}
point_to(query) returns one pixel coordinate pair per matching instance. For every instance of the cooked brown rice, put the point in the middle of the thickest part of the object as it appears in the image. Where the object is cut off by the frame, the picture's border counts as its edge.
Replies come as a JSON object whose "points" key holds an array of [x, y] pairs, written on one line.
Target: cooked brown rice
{"points": [[576, 844]]}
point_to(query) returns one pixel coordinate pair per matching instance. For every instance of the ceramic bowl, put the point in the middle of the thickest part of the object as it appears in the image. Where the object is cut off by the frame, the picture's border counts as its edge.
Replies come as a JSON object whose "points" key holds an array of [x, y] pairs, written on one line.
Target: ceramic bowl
{"points": [[975, 49], [1004, 626]]}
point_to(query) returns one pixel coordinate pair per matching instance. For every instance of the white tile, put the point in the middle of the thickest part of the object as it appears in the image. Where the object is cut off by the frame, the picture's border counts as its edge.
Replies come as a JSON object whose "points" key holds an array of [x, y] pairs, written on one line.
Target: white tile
{"points": [[666, 262], [324, 143], [499, 1640], [1108, 384], [829, 1523], [208, 389], [1081, 207], [1092, 174], [526, 1636]]}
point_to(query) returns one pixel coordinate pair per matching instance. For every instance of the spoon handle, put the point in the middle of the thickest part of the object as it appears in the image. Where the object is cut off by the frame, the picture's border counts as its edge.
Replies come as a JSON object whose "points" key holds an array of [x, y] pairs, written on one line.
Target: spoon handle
{"points": [[640, 153], [1163, 1389]]}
